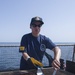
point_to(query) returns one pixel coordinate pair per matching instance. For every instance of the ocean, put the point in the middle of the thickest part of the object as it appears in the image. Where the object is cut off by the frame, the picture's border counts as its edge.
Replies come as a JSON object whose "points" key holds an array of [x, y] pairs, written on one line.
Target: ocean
{"points": [[10, 56]]}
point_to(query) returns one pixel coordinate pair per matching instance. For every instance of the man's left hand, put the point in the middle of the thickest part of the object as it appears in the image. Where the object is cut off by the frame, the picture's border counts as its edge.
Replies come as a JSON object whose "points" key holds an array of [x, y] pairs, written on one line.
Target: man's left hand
{"points": [[56, 64]]}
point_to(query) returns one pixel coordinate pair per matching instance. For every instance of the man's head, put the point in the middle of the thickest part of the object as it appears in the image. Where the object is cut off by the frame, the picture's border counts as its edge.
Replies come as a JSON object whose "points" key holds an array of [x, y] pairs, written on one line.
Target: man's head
{"points": [[35, 25]]}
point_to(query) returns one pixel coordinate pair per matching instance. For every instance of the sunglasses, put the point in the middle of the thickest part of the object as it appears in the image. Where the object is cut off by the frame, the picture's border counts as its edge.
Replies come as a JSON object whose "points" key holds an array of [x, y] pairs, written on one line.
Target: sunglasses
{"points": [[34, 25]]}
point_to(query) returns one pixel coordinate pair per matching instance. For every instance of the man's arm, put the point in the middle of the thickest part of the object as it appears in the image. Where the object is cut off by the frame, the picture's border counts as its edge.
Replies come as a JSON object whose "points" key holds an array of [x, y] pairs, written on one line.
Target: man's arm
{"points": [[57, 55], [31, 60], [25, 55]]}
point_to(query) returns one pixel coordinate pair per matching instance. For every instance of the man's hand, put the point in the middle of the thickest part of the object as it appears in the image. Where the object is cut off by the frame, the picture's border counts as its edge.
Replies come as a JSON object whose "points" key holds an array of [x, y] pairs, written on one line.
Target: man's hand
{"points": [[34, 62], [56, 64], [57, 55]]}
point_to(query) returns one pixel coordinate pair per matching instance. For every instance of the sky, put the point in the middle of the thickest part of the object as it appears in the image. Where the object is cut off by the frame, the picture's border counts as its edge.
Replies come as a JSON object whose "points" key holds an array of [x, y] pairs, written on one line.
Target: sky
{"points": [[58, 17]]}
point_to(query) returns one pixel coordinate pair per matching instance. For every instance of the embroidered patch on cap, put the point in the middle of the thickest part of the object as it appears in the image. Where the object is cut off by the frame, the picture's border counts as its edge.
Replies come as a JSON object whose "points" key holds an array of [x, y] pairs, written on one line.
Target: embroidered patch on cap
{"points": [[22, 48]]}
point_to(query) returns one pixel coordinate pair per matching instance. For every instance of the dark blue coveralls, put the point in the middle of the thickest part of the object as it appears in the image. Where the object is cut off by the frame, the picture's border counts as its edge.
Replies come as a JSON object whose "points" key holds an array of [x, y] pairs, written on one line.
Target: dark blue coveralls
{"points": [[35, 47]]}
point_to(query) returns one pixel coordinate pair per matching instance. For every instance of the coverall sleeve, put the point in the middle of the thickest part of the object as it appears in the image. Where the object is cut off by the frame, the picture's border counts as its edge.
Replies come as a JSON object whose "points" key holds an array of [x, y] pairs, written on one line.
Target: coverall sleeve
{"points": [[50, 44], [23, 44]]}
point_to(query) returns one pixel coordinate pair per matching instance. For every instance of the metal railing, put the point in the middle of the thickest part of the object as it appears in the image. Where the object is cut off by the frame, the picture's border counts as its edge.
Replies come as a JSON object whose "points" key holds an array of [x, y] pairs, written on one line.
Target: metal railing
{"points": [[65, 45], [12, 57]]}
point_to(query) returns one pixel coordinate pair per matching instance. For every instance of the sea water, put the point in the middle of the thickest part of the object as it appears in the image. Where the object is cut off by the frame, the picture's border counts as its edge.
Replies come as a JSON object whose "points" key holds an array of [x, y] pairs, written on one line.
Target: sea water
{"points": [[10, 56]]}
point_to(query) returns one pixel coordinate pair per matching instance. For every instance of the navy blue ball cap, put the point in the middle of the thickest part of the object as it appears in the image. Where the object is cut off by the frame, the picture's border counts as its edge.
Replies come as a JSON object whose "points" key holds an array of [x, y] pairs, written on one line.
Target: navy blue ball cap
{"points": [[36, 19]]}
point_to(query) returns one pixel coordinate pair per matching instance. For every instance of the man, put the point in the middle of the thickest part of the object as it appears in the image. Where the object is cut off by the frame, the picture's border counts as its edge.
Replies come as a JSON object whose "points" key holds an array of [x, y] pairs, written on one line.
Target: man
{"points": [[33, 47]]}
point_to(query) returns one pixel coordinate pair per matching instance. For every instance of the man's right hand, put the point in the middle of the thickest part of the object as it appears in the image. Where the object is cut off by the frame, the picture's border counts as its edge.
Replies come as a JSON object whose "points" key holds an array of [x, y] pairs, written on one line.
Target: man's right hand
{"points": [[34, 63]]}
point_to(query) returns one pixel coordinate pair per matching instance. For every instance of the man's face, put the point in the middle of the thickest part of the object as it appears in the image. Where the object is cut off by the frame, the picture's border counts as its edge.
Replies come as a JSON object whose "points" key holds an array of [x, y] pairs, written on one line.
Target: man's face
{"points": [[36, 26]]}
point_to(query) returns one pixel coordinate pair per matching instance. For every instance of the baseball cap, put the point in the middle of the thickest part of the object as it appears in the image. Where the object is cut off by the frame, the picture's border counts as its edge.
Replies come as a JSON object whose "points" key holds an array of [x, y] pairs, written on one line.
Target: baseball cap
{"points": [[36, 19]]}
